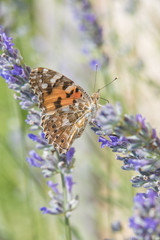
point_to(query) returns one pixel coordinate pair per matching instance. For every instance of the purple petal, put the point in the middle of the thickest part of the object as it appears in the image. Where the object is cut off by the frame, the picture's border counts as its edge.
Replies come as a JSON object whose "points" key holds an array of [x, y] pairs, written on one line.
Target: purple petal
{"points": [[53, 186], [36, 138], [69, 183], [113, 138], [70, 154], [17, 70], [43, 135], [154, 134], [33, 162], [35, 155], [90, 18], [93, 64], [45, 210], [139, 198], [141, 120], [150, 224]]}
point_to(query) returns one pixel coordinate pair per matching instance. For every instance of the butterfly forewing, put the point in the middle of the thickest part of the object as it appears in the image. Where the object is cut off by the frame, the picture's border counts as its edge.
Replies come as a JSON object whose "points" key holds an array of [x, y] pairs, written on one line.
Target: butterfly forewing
{"points": [[65, 107]]}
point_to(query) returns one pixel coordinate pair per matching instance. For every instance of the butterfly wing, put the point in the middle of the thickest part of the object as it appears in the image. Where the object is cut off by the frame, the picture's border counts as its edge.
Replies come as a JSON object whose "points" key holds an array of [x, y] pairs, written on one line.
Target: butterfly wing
{"points": [[55, 90], [63, 128], [65, 107]]}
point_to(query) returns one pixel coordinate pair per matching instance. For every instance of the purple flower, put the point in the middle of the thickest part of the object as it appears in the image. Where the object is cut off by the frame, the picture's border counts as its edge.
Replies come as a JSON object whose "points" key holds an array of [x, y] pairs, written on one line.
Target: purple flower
{"points": [[108, 143], [53, 186], [36, 156], [69, 155], [17, 70], [135, 139], [139, 198], [69, 183], [146, 220], [34, 119], [140, 120], [37, 139], [115, 141], [45, 210], [94, 63], [43, 135], [138, 163], [7, 42], [32, 162], [35, 159], [154, 134], [91, 32], [90, 17]]}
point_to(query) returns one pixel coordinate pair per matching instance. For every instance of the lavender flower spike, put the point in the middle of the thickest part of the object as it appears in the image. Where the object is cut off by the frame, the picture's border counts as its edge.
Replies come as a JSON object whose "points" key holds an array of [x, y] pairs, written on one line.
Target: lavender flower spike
{"points": [[146, 220], [135, 139], [91, 32], [15, 72], [139, 146]]}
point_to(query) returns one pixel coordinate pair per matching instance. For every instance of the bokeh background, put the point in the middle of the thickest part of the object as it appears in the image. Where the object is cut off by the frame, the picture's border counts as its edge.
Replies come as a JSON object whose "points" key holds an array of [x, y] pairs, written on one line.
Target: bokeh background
{"points": [[64, 36]]}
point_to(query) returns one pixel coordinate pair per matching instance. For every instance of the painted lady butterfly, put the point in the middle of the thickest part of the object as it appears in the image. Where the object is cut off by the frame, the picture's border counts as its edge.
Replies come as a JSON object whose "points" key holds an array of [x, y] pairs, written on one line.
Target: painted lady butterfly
{"points": [[66, 107]]}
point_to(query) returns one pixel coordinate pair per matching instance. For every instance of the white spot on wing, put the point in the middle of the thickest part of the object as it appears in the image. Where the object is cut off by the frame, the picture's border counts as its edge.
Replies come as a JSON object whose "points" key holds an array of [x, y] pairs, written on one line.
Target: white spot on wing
{"points": [[56, 76], [65, 109], [44, 85], [52, 80], [65, 122], [45, 70], [33, 76]]}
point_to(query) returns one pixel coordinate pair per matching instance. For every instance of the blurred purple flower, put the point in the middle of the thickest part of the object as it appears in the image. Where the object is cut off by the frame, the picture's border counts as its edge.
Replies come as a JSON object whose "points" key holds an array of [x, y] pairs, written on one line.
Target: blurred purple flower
{"points": [[69, 155], [146, 220], [135, 139], [45, 210], [32, 162], [94, 64], [53, 186], [37, 139], [7, 42], [69, 183], [92, 33]]}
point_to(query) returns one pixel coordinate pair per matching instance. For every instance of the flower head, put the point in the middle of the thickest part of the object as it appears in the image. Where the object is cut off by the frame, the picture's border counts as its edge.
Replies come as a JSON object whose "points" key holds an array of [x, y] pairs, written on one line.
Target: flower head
{"points": [[69, 183], [146, 220], [135, 139]]}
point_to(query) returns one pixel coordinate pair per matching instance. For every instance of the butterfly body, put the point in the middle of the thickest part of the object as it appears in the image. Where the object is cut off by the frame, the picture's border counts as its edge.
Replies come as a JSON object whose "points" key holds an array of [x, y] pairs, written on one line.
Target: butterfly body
{"points": [[66, 107]]}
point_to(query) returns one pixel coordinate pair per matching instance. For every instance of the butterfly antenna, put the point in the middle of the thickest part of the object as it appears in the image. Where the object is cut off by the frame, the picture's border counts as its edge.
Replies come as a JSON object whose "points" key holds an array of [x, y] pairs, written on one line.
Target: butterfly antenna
{"points": [[95, 78], [104, 99], [107, 84]]}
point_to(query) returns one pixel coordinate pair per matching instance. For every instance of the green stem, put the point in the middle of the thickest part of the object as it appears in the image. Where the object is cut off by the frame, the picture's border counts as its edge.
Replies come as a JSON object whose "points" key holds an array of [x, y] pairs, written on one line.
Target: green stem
{"points": [[66, 219]]}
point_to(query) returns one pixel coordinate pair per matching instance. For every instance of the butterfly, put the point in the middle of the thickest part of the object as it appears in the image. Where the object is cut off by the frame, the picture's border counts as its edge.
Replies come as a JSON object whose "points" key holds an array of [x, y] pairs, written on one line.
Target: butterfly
{"points": [[66, 107]]}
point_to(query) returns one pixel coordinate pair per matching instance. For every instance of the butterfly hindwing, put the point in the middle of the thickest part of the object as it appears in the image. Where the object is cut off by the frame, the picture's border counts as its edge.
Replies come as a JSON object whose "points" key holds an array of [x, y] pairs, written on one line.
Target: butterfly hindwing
{"points": [[61, 131]]}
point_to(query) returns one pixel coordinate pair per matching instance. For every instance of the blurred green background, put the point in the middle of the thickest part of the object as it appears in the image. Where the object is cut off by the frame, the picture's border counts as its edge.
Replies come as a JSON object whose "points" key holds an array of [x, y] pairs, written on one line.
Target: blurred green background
{"points": [[47, 35]]}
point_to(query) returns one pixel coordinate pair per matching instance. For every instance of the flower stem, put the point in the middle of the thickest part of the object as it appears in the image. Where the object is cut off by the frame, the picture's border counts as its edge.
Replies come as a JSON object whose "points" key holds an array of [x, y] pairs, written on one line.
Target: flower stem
{"points": [[66, 218]]}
